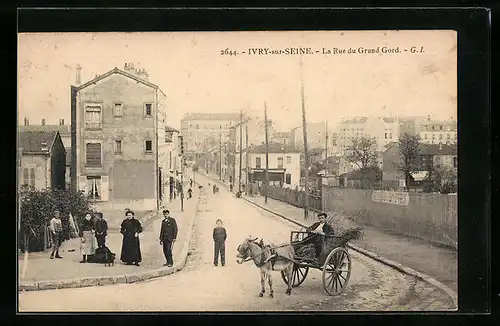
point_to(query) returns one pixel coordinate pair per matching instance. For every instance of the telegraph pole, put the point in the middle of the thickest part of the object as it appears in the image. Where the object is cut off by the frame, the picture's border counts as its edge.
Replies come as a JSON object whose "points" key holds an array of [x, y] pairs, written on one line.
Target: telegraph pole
{"points": [[267, 153], [246, 155], [220, 153], [182, 173], [241, 145], [326, 152], [306, 154]]}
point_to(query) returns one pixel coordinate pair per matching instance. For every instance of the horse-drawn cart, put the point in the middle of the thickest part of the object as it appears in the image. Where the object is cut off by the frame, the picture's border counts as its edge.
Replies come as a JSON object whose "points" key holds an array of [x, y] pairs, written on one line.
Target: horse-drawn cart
{"points": [[333, 259]]}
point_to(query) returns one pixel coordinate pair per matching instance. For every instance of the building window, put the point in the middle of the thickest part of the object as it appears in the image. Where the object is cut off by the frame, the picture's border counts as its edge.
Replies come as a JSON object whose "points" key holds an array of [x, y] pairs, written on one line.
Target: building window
{"points": [[440, 127], [288, 179], [28, 177], [390, 135], [148, 148], [93, 117], [94, 187], [148, 109], [433, 136], [257, 162], [455, 162], [448, 136], [118, 110], [288, 160], [280, 162], [93, 154], [425, 136], [440, 136], [118, 146]]}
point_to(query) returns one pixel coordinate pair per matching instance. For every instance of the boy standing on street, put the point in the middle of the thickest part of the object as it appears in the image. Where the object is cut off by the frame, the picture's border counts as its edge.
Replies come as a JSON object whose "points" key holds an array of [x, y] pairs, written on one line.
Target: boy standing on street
{"points": [[101, 230], [56, 229], [220, 243], [168, 234]]}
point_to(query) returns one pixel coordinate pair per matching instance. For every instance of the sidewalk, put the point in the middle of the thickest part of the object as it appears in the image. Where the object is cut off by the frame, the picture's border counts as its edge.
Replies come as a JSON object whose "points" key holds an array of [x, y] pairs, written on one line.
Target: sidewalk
{"points": [[435, 261], [40, 268]]}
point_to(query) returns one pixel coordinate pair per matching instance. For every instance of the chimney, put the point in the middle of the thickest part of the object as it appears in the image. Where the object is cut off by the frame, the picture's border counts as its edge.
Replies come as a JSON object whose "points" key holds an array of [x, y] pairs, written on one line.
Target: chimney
{"points": [[26, 122], [61, 122], [428, 117], [78, 74], [43, 122]]}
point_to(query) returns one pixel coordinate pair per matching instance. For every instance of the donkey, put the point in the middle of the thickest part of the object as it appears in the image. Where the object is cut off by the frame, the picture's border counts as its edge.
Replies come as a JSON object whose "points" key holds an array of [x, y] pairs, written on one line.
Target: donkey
{"points": [[268, 258]]}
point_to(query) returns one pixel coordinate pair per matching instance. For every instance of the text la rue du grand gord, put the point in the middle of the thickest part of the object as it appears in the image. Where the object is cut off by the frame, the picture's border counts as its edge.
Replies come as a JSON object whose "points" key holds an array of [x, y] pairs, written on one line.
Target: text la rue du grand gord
{"points": [[262, 51]]}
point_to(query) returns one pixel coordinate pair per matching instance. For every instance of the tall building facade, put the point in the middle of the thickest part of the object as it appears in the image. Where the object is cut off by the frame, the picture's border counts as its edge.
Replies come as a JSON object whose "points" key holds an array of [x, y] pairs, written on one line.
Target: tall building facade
{"points": [[438, 131], [202, 131], [118, 140]]}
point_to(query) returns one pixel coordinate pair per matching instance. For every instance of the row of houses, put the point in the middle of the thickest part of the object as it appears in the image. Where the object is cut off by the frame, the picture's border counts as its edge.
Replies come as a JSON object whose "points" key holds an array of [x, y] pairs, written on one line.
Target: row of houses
{"points": [[119, 149]]}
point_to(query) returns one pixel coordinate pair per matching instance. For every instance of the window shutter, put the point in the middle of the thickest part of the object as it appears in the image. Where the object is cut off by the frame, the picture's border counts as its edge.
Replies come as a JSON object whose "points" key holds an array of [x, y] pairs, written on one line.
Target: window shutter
{"points": [[104, 188], [93, 154], [32, 177], [83, 184]]}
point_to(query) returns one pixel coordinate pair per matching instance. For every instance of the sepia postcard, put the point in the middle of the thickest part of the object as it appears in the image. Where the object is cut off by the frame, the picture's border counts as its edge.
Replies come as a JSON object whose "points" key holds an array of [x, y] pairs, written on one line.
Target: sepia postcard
{"points": [[237, 171]]}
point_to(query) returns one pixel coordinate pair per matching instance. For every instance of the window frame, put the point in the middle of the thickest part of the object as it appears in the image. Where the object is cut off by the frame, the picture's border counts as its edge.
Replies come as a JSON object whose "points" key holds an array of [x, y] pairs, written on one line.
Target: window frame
{"points": [[146, 151], [93, 141], [146, 115], [282, 162], [94, 177], [92, 125], [259, 160], [114, 109], [118, 141]]}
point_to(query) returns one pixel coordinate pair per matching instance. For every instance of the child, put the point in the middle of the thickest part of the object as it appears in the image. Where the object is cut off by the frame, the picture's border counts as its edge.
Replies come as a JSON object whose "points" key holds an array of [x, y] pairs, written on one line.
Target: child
{"points": [[220, 243]]}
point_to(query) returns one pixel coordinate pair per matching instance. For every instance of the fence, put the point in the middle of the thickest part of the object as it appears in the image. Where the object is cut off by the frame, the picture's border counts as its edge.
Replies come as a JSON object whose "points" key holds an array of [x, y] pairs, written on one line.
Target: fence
{"points": [[431, 217], [293, 197]]}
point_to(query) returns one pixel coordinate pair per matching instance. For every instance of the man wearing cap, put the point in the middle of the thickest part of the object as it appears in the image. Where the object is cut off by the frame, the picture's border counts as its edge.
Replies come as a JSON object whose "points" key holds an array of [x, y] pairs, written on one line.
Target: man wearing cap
{"points": [[168, 234], [323, 229], [56, 230]]}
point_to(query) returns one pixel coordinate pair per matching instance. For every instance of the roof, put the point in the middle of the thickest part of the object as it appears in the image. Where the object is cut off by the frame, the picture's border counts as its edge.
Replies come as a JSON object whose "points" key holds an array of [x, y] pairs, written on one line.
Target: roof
{"points": [[388, 119], [64, 130], [438, 149], [120, 72], [273, 148], [212, 116], [355, 120], [170, 129], [31, 141]]}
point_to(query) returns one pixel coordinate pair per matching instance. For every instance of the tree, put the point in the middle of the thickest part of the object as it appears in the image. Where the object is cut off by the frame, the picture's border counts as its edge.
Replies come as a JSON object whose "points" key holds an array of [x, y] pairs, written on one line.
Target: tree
{"points": [[37, 208], [410, 154], [362, 152], [445, 179]]}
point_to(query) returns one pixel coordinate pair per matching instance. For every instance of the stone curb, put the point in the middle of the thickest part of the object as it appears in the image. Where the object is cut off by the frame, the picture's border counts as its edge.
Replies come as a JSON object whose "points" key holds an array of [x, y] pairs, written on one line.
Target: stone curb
{"points": [[120, 279], [397, 266]]}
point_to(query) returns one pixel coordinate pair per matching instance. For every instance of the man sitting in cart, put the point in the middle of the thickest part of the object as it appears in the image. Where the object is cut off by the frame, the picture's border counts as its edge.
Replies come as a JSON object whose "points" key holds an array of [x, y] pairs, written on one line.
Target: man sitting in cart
{"points": [[323, 229]]}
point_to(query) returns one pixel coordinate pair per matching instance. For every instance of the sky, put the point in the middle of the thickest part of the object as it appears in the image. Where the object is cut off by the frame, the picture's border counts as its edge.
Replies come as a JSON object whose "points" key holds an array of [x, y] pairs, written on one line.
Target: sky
{"points": [[189, 68]]}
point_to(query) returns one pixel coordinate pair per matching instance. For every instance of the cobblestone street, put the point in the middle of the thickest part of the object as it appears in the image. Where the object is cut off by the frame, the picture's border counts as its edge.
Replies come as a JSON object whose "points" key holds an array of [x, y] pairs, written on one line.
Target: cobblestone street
{"points": [[202, 287]]}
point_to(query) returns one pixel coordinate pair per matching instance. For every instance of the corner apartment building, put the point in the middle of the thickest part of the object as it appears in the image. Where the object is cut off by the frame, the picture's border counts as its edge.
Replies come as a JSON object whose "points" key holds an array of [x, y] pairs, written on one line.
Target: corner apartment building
{"points": [[118, 139], [438, 131], [202, 131]]}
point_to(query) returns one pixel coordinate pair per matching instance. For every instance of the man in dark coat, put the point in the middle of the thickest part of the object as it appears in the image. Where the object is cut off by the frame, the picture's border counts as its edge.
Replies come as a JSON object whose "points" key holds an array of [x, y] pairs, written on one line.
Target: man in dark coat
{"points": [[101, 230], [324, 229], [168, 235]]}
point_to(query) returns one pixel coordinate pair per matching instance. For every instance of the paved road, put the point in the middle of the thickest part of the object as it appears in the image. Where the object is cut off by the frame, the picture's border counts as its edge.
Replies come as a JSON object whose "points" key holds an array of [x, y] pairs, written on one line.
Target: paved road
{"points": [[202, 287]]}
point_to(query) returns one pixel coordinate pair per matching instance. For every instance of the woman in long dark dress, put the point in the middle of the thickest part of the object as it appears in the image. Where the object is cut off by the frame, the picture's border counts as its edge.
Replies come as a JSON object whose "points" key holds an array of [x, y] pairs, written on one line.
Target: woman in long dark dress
{"points": [[131, 249]]}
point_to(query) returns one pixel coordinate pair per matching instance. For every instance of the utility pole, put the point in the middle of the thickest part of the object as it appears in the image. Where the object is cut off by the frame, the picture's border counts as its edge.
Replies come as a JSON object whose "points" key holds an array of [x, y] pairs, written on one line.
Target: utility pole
{"points": [[181, 138], [220, 153], [306, 154], [326, 152], [247, 158], [267, 153], [241, 145]]}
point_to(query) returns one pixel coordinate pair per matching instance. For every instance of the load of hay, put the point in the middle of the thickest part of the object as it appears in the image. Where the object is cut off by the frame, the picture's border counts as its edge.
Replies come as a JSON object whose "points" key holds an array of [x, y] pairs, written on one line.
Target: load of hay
{"points": [[307, 252]]}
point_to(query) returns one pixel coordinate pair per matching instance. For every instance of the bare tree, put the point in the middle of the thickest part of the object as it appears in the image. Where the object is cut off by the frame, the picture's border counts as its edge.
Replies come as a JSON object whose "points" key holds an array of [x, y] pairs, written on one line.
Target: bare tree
{"points": [[362, 152], [410, 154]]}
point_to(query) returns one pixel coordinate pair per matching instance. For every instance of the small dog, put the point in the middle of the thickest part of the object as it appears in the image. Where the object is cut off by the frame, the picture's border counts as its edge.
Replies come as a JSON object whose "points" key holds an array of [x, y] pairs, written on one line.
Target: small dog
{"points": [[109, 259]]}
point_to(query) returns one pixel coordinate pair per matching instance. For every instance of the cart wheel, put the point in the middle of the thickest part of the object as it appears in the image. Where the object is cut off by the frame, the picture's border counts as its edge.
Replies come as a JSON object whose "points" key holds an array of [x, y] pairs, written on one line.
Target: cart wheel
{"points": [[299, 274], [336, 271]]}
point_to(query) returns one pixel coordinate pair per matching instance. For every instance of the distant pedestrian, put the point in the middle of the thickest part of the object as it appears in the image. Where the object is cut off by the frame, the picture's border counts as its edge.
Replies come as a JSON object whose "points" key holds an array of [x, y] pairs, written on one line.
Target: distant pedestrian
{"points": [[87, 238], [168, 235], [220, 236], [214, 189], [191, 183], [231, 187], [56, 229], [190, 193], [131, 248], [101, 230]]}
